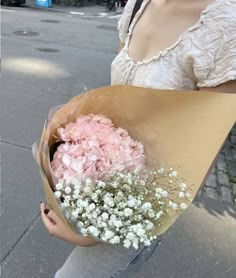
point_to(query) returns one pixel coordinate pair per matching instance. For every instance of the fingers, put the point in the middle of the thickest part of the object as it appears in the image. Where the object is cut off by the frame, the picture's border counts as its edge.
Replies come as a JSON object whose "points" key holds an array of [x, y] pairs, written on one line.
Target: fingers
{"points": [[53, 216], [46, 220]]}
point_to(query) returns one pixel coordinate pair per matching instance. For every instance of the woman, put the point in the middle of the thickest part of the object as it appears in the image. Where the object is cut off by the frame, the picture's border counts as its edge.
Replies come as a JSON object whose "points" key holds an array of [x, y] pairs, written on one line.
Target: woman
{"points": [[170, 44]]}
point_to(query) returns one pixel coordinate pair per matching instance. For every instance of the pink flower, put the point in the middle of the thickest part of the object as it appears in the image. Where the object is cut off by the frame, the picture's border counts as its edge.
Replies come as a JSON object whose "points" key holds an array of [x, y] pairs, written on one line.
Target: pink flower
{"points": [[93, 147]]}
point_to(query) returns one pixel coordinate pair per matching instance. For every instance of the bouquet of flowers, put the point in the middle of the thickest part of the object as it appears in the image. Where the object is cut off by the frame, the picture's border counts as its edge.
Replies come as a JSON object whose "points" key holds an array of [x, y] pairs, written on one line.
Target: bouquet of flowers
{"points": [[102, 186], [103, 170]]}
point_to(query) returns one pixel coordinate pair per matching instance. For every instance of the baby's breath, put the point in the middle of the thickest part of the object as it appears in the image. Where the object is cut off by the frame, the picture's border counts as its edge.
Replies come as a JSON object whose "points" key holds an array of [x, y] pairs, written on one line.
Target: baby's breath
{"points": [[127, 209]]}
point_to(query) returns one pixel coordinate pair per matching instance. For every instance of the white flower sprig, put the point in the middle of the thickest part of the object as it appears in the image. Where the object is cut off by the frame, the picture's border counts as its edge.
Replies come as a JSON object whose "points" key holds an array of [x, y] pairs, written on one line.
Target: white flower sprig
{"points": [[127, 209]]}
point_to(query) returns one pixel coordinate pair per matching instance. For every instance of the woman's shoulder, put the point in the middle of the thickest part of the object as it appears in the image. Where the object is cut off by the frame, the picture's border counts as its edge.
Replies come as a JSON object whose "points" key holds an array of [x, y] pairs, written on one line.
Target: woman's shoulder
{"points": [[220, 13], [212, 45], [217, 25], [123, 24]]}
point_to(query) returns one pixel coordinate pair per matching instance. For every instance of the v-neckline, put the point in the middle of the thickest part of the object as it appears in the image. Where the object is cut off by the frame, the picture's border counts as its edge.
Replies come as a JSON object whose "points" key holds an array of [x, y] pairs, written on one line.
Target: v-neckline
{"points": [[167, 49]]}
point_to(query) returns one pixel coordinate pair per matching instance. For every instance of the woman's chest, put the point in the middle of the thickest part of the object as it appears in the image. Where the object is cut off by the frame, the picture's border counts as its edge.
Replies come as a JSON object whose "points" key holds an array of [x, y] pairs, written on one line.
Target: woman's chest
{"points": [[164, 71], [150, 36], [158, 27]]}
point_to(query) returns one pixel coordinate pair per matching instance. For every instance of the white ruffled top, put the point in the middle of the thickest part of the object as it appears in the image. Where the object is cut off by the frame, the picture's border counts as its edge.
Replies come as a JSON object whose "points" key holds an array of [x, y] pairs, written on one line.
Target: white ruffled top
{"points": [[203, 56]]}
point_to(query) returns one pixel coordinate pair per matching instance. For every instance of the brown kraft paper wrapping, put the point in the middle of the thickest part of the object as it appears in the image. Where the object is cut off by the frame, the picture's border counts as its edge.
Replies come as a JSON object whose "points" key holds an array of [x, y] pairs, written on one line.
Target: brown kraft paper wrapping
{"points": [[184, 130]]}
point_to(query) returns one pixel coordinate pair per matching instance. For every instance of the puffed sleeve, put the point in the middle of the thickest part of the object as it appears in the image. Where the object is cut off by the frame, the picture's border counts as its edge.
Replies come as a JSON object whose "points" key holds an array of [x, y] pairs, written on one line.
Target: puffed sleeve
{"points": [[123, 24], [214, 47]]}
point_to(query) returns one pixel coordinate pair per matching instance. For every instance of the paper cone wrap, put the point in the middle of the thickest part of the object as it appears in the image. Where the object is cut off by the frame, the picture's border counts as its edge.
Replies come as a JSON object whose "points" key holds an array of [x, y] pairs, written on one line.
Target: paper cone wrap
{"points": [[183, 130]]}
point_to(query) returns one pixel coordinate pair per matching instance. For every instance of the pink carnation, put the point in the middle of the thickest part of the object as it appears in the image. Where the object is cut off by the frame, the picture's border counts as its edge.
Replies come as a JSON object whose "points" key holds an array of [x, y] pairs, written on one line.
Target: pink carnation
{"points": [[93, 146]]}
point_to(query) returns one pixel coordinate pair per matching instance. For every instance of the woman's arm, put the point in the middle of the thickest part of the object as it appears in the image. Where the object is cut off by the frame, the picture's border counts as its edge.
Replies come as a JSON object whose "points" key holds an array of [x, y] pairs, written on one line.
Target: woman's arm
{"points": [[58, 229], [228, 87]]}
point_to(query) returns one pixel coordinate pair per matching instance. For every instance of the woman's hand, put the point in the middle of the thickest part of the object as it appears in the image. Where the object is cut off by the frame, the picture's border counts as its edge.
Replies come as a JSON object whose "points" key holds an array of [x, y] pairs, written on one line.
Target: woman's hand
{"points": [[58, 229]]}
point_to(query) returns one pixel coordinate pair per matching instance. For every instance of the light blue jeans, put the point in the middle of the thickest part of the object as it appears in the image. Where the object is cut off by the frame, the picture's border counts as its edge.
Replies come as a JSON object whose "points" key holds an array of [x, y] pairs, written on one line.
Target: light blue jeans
{"points": [[105, 261]]}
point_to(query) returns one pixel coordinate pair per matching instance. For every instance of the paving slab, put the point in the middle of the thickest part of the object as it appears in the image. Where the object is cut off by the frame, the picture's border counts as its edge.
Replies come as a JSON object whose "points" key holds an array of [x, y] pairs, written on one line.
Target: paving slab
{"points": [[21, 195], [24, 126], [37, 255]]}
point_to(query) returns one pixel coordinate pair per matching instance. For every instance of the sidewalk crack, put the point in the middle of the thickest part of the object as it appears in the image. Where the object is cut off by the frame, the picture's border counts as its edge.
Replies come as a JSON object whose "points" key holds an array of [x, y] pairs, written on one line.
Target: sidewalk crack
{"points": [[21, 236], [16, 145]]}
